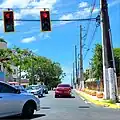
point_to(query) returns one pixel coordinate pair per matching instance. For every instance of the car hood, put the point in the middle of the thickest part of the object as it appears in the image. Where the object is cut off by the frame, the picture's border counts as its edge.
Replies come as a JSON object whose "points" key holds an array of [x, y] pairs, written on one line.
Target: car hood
{"points": [[32, 90], [26, 93]]}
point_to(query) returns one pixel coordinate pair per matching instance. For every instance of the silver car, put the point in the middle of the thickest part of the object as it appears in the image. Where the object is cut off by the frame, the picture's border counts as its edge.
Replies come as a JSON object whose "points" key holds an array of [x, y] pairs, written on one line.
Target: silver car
{"points": [[15, 102], [36, 90]]}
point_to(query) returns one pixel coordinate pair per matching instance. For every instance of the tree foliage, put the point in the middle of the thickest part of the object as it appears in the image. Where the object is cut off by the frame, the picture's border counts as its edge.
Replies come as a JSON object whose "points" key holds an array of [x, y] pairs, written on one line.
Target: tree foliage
{"points": [[98, 62], [37, 68]]}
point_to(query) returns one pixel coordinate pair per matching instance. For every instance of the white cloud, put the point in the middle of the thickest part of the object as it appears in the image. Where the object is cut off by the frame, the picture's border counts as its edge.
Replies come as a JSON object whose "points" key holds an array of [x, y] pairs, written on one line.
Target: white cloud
{"points": [[44, 36], [113, 3], [35, 4], [28, 40], [83, 4], [81, 14], [68, 16], [14, 3]]}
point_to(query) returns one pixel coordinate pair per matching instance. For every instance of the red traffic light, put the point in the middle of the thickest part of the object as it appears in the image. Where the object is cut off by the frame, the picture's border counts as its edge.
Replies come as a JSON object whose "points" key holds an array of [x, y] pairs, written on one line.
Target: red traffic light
{"points": [[45, 21], [8, 21], [7, 15], [44, 15]]}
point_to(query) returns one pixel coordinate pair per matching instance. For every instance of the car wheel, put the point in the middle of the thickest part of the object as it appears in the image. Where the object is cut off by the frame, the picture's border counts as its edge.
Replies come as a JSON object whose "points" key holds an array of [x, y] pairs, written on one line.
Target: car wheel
{"points": [[39, 96], [56, 96], [28, 110]]}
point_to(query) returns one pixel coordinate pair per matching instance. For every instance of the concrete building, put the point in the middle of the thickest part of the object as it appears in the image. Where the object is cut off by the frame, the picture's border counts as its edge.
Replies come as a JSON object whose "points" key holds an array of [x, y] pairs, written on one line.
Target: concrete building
{"points": [[3, 44], [7, 77]]}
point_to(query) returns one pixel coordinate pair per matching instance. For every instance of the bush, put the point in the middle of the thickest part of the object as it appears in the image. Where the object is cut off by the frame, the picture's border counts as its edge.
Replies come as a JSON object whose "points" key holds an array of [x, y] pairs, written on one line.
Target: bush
{"points": [[93, 93], [99, 95]]}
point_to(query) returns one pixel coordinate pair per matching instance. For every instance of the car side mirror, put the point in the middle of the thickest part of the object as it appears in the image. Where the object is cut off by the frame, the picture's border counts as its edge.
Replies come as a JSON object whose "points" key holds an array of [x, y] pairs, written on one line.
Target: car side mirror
{"points": [[71, 87], [17, 91]]}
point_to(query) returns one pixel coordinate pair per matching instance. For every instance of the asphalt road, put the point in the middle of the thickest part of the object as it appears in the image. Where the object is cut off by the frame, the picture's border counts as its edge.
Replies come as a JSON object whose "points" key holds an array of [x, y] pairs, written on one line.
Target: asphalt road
{"points": [[71, 109]]}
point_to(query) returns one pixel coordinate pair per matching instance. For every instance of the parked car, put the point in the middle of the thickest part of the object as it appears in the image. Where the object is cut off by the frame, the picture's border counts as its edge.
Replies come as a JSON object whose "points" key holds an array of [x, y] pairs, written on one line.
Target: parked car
{"points": [[45, 89], [63, 90], [20, 87], [15, 102], [36, 90]]}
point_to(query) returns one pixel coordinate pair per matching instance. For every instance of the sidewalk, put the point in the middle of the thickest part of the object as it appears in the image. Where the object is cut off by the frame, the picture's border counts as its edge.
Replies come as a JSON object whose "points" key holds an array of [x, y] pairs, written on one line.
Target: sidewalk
{"points": [[98, 101]]}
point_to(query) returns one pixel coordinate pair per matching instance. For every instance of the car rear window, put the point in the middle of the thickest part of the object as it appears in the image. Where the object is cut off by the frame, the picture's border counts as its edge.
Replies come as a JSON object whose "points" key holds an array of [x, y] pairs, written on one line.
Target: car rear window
{"points": [[63, 85]]}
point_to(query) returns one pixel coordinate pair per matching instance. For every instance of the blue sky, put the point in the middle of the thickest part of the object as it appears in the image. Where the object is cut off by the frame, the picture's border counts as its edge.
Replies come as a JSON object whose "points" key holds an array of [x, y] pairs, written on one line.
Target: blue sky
{"points": [[58, 44]]}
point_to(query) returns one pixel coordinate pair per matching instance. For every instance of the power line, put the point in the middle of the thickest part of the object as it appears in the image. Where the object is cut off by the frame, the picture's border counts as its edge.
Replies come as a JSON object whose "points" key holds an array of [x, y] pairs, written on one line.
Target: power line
{"points": [[91, 41], [28, 20], [88, 26]]}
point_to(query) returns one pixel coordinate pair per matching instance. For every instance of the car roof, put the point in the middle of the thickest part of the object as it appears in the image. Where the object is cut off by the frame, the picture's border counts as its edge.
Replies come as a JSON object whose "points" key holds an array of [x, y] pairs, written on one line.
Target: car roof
{"points": [[7, 84], [63, 84]]}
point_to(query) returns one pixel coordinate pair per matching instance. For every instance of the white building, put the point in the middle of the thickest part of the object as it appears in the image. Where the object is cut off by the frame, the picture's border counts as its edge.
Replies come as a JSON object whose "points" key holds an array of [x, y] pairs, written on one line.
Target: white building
{"points": [[14, 76]]}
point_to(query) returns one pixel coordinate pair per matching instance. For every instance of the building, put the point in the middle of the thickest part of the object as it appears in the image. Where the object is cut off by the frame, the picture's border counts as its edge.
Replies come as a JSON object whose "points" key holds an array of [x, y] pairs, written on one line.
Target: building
{"points": [[4, 76]]}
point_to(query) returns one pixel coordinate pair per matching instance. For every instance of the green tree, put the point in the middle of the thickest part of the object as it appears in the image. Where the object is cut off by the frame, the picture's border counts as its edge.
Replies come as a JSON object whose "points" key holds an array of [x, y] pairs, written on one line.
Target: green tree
{"points": [[86, 74], [37, 68], [98, 62]]}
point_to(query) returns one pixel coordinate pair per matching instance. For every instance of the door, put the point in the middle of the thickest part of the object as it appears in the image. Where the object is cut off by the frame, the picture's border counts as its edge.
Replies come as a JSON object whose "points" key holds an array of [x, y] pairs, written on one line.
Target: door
{"points": [[9, 102]]}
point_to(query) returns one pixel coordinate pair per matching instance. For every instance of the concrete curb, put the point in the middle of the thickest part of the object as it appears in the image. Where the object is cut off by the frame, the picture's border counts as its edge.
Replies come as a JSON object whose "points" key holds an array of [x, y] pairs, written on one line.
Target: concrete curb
{"points": [[95, 102]]}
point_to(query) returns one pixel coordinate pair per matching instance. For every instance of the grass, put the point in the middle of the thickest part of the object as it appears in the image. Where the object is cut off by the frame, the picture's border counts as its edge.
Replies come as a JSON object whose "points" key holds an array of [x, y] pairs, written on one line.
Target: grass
{"points": [[102, 102]]}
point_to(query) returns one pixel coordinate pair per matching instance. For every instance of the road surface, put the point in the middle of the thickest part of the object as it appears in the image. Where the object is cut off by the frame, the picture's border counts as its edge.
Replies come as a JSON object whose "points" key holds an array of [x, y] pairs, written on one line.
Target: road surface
{"points": [[71, 109]]}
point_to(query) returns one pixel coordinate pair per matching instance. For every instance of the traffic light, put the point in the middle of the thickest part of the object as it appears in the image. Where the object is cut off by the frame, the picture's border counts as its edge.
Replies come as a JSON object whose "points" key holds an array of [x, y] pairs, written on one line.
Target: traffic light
{"points": [[8, 17], [45, 21]]}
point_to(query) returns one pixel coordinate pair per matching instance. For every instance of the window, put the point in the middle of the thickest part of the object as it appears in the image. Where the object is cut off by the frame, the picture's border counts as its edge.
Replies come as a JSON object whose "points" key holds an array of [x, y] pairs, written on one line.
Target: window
{"points": [[6, 88], [14, 72], [63, 85]]}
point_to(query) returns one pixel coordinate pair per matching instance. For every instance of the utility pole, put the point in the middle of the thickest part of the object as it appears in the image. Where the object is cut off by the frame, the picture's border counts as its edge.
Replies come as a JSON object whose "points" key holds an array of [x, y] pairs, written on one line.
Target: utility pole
{"points": [[71, 80], [20, 69], [76, 82], [109, 72], [73, 74], [81, 62], [78, 70]]}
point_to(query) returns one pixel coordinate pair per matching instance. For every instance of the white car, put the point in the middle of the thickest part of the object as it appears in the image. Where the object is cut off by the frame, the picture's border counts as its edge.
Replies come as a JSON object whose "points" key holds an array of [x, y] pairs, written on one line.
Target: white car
{"points": [[36, 90], [14, 102]]}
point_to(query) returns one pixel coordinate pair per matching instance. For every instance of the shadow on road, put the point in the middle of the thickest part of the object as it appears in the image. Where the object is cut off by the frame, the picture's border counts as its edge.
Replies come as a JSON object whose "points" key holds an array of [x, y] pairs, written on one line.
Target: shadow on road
{"points": [[66, 97], [19, 118], [45, 108]]}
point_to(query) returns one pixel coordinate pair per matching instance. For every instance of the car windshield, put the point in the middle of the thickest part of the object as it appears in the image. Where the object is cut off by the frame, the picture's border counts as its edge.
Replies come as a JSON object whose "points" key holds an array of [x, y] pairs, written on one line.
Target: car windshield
{"points": [[32, 88], [63, 85], [19, 87]]}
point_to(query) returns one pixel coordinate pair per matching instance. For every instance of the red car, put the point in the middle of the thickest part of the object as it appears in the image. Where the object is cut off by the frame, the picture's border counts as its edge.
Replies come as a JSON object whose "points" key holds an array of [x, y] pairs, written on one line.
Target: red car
{"points": [[63, 90]]}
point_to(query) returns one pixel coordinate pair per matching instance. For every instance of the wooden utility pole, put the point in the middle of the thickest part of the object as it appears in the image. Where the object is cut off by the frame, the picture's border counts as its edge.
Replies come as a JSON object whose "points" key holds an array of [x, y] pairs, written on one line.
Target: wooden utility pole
{"points": [[109, 71], [76, 82], [81, 82], [73, 74]]}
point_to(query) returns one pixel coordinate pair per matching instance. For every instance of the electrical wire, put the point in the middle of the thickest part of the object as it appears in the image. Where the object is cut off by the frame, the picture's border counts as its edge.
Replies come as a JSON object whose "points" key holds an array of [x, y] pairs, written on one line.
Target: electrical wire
{"points": [[92, 39], [88, 26], [28, 20]]}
